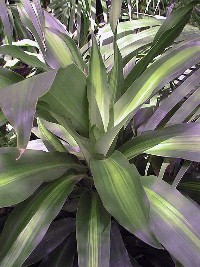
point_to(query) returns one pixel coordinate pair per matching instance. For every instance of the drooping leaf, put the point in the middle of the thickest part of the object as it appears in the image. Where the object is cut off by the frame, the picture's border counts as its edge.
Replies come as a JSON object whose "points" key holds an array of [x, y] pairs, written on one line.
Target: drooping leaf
{"points": [[175, 220], [16, 52], [61, 132], [30, 220], [153, 140], [19, 179], [20, 113], [121, 192], [68, 97], [187, 108], [55, 235], [63, 255], [93, 232], [157, 75]]}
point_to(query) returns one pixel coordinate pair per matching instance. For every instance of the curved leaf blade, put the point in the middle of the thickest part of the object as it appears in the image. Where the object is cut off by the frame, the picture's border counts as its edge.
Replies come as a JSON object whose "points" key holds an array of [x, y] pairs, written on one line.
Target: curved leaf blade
{"points": [[62, 256], [16, 52], [55, 235], [21, 113], [157, 75], [122, 194], [8, 77], [118, 253], [19, 179], [158, 141], [175, 220], [68, 97], [30, 220]]}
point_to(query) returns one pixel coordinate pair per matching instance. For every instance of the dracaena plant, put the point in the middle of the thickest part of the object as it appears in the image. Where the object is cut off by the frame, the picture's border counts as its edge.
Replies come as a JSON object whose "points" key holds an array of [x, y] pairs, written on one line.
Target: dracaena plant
{"points": [[75, 186]]}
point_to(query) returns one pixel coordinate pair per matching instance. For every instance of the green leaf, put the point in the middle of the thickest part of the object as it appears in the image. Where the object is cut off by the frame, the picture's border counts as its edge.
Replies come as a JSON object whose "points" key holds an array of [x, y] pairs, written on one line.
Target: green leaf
{"points": [[21, 113], [93, 232], [98, 94], [157, 75], [30, 220], [182, 137], [116, 78], [121, 191], [68, 97], [168, 32], [184, 146], [175, 220], [19, 179], [115, 13], [58, 54], [76, 56], [49, 138], [16, 52], [8, 77]]}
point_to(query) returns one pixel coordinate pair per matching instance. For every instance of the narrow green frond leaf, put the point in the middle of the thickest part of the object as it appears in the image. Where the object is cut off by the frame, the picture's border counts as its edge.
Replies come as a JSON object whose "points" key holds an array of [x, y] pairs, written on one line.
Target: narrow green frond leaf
{"points": [[93, 232]]}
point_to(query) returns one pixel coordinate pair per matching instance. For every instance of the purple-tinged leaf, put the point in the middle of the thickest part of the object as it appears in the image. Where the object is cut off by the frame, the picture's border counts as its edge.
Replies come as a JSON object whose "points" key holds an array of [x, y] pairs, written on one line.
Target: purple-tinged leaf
{"points": [[40, 13], [55, 235], [62, 256], [18, 102], [177, 95], [35, 20], [175, 220], [53, 23], [118, 253], [4, 16]]}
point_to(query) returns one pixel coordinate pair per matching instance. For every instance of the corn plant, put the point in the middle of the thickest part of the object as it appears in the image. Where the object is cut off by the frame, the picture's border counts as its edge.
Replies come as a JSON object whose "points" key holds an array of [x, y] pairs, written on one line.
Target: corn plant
{"points": [[78, 187]]}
